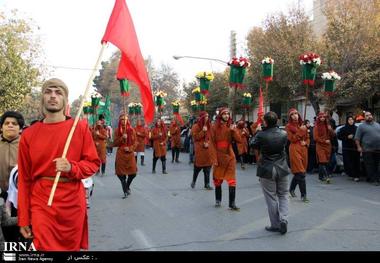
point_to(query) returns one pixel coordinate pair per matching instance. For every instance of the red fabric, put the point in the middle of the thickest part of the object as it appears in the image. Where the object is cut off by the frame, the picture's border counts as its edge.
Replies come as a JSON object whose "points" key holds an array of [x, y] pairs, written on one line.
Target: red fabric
{"points": [[121, 32], [179, 118], [63, 226], [321, 126], [219, 182], [222, 144]]}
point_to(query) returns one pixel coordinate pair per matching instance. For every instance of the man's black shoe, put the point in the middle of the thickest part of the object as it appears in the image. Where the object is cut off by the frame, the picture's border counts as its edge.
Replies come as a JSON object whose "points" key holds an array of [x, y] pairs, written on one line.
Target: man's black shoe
{"points": [[283, 227], [272, 229]]}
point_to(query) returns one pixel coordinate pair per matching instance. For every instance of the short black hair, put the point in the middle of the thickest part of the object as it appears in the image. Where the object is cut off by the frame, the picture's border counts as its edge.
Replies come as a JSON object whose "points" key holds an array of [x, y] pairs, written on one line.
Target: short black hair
{"points": [[13, 114], [271, 119]]}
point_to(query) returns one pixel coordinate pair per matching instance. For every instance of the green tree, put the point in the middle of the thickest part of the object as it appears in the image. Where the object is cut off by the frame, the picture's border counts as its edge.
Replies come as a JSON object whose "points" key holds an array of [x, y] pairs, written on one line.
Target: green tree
{"points": [[19, 51], [284, 37], [31, 109], [352, 47]]}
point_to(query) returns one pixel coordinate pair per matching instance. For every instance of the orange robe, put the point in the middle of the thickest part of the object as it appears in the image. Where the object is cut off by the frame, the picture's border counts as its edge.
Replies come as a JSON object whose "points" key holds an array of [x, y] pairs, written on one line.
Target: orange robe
{"points": [[63, 226], [222, 137], [243, 145], [175, 136], [101, 142], [159, 142], [298, 153], [322, 147], [141, 135], [125, 162], [204, 150]]}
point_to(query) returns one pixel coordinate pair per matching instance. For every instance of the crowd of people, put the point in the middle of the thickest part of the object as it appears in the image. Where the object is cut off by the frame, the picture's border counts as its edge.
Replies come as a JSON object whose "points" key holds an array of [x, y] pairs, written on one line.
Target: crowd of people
{"points": [[32, 156]]}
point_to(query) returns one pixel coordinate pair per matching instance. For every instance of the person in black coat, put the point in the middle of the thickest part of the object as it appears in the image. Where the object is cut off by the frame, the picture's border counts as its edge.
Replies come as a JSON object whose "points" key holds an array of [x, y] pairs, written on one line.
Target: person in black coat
{"points": [[351, 157]]}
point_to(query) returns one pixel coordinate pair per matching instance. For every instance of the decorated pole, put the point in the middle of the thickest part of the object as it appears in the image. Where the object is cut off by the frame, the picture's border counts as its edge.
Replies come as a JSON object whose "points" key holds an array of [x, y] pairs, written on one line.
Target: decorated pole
{"points": [[68, 141], [238, 68], [160, 102], [267, 74], [124, 92], [309, 63], [247, 102], [329, 83]]}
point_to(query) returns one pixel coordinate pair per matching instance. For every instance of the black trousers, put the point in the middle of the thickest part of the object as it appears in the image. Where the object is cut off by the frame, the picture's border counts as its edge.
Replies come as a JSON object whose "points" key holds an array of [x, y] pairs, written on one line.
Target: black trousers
{"points": [[206, 172], [372, 165], [351, 163], [298, 179], [103, 168], [175, 154], [126, 182]]}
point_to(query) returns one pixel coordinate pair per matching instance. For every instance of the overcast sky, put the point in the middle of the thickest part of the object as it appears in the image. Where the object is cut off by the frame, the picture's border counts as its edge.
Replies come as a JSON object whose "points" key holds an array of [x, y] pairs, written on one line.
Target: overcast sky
{"points": [[71, 31]]}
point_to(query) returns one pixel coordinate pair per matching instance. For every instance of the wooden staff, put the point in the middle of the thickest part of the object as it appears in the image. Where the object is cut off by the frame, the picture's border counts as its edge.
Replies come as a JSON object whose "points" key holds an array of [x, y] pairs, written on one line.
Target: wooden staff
{"points": [[68, 141], [266, 94], [306, 99]]}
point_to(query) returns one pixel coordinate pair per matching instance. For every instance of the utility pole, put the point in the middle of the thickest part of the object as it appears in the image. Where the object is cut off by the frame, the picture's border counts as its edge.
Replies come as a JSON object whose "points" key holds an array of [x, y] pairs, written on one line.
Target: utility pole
{"points": [[232, 94]]}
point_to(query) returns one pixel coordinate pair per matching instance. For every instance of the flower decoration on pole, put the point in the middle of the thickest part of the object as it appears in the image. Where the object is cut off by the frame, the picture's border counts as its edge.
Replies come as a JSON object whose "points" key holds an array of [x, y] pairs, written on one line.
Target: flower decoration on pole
{"points": [[194, 106], [309, 63], [202, 104], [87, 109], [160, 102], [205, 79], [247, 100], [124, 87], [175, 105], [329, 79], [267, 66], [237, 71], [95, 99], [138, 108], [131, 108], [197, 93]]}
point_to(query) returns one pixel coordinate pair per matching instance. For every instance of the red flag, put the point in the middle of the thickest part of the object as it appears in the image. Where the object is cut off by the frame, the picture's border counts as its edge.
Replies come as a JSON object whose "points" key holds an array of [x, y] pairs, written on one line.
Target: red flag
{"points": [[261, 106], [121, 32]]}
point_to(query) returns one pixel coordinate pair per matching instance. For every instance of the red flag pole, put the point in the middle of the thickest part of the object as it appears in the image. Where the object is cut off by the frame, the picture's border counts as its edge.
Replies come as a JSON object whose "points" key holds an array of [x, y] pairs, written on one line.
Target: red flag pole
{"points": [[68, 141]]}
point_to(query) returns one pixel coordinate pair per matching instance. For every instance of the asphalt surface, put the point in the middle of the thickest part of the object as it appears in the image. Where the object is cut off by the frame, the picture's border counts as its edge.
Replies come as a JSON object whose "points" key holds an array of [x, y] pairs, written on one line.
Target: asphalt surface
{"points": [[164, 214]]}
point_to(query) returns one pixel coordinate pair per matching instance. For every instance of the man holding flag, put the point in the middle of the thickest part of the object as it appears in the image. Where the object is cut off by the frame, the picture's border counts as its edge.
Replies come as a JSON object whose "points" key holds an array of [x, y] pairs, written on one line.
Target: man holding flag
{"points": [[62, 226]]}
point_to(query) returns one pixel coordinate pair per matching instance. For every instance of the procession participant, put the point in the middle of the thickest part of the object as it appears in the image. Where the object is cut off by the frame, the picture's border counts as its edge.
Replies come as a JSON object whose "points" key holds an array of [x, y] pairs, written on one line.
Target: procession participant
{"points": [[141, 135], [175, 139], [243, 145], [125, 162], [159, 138], [62, 226], [322, 136], [298, 154], [99, 135], [204, 151], [222, 135]]}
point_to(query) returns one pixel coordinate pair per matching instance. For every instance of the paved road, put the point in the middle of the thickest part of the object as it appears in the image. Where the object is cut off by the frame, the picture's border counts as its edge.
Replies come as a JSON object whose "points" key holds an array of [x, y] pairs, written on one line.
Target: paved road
{"points": [[164, 214]]}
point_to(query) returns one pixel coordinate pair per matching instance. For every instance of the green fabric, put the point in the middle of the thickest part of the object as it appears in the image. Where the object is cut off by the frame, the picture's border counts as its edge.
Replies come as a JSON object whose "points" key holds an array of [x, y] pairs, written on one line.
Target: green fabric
{"points": [[329, 85], [159, 101], [267, 70], [247, 101], [124, 87], [131, 110], [204, 84], [137, 110], [88, 110], [194, 107], [237, 74], [202, 107], [197, 96], [309, 71], [175, 109], [95, 101]]}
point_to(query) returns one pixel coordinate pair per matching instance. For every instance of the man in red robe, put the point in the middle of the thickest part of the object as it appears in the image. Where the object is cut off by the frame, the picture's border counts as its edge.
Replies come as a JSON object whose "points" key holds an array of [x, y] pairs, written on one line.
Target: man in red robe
{"points": [[62, 226]]}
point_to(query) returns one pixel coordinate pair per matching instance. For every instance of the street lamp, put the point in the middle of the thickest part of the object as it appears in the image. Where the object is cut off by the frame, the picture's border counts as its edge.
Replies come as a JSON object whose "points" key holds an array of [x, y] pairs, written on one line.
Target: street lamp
{"points": [[212, 59]]}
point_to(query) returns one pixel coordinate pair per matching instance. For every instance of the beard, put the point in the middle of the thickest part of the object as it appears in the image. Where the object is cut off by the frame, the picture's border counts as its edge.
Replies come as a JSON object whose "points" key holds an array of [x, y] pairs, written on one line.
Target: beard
{"points": [[53, 110]]}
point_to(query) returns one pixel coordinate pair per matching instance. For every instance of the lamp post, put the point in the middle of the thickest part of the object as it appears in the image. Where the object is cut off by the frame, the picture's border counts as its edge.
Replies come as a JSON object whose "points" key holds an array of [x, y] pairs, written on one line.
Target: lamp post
{"points": [[212, 59]]}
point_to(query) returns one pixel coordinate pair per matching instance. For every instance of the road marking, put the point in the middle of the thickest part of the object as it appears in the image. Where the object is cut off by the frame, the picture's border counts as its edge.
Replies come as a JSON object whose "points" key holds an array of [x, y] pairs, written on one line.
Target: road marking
{"points": [[252, 199], [142, 239], [336, 216], [371, 202]]}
